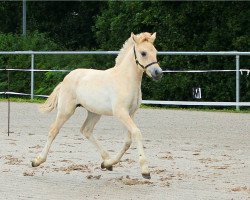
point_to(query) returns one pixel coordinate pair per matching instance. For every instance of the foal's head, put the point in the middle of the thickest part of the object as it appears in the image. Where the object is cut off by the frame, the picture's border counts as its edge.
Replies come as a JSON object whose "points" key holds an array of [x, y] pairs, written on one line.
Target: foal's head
{"points": [[145, 54]]}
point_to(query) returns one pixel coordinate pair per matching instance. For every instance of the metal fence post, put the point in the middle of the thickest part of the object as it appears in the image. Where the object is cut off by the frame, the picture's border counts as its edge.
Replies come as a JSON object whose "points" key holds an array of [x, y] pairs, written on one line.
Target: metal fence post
{"points": [[237, 81], [32, 76], [24, 17]]}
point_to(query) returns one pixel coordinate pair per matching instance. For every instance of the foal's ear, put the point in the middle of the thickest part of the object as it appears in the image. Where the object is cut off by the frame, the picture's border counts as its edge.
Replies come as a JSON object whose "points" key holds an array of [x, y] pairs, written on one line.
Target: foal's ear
{"points": [[134, 37], [152, 38]]}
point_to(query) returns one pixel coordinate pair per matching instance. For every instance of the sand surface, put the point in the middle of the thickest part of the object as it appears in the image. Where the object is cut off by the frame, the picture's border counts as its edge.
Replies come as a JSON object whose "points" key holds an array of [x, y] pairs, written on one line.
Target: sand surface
{"points": [[192, 155]]}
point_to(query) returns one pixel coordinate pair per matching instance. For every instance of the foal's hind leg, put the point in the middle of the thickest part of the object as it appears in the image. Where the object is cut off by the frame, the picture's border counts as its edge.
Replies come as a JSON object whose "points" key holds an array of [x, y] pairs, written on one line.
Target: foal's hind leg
{"points": [[87, 130], [64, 113]]}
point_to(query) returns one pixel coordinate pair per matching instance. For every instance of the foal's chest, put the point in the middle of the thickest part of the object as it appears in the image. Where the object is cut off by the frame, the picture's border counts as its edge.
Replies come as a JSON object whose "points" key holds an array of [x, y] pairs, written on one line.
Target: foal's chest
{"points": [[135, 102]]}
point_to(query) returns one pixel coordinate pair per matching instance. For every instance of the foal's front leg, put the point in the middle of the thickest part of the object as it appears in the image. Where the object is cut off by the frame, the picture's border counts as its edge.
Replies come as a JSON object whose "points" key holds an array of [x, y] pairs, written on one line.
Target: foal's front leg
{"points": [[125, 147], [110, 162], [124, 117]]}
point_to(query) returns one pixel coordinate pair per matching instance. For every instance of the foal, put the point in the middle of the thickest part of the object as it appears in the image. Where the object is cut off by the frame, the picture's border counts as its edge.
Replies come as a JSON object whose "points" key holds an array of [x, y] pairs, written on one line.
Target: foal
{"points": [[115, 91]]}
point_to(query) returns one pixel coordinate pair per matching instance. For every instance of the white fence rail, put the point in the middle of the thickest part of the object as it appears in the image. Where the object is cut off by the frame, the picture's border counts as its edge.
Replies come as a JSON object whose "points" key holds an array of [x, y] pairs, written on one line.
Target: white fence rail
{"points": [[237, 71]]}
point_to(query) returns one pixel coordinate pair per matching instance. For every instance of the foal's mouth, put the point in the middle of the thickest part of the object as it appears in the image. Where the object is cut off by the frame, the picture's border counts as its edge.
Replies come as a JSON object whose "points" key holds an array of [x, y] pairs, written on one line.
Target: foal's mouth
{"points": [[157, 78]]}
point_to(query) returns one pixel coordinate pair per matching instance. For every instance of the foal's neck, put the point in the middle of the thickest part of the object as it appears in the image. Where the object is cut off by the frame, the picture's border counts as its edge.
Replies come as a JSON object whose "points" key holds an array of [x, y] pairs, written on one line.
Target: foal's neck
{"points": [[130, 69]]}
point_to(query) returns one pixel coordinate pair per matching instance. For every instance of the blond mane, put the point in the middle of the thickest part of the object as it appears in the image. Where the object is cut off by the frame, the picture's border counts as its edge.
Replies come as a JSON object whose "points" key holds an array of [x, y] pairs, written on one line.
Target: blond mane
{"points": [[128, 43]]}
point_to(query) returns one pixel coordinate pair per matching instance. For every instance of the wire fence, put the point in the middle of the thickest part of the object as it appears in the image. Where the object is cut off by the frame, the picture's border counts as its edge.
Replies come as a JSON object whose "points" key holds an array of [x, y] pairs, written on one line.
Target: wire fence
{"points": [[237, 72]]}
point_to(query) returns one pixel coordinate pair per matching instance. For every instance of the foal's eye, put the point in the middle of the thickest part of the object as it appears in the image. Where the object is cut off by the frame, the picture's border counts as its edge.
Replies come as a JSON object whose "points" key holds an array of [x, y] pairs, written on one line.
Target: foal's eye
{"points": [[143, 53]]}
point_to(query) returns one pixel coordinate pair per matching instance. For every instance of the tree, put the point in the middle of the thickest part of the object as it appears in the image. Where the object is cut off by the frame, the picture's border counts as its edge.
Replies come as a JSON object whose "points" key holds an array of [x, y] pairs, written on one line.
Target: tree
{"points": [[182, 26], [10, 17], [67, 23]]}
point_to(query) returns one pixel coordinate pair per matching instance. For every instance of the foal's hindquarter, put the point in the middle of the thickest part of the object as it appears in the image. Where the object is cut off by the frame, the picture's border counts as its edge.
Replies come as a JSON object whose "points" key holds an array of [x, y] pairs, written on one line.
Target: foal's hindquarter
{"points": [[116, 91]]}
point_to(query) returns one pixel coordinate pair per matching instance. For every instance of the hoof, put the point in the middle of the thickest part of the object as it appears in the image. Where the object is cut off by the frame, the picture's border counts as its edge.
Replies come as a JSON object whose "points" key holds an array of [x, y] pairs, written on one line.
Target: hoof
{"points": [[146, 176], [37, 161], [110, 168], [102, 165], [34, 164]]}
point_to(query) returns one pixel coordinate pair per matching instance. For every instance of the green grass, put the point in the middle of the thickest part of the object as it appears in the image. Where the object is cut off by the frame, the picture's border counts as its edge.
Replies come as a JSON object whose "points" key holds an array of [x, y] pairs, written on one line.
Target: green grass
{"points": [[23, 100], [143, 106]]}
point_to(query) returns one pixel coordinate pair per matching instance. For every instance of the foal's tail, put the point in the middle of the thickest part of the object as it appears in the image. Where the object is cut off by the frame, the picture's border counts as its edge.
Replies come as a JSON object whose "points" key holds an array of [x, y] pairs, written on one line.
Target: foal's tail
{"points": [[51, 103]]}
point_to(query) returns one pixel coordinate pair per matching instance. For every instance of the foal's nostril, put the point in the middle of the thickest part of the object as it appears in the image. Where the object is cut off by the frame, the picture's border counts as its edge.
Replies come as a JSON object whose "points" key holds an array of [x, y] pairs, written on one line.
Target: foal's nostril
{"points": [[158, 72]]}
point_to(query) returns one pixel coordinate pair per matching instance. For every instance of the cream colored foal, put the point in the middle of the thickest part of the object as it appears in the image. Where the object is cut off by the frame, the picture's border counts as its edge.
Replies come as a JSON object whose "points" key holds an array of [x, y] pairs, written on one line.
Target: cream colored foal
{"points": [[115, 91]]}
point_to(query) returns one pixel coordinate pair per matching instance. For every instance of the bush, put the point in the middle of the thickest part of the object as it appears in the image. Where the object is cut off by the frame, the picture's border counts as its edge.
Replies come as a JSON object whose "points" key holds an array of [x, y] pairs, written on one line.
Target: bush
{"points": [[44, 81]]}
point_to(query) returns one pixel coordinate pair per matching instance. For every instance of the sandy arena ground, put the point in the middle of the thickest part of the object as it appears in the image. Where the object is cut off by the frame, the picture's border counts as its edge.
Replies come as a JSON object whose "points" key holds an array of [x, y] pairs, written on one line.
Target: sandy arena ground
{"points": [[192, 155]]}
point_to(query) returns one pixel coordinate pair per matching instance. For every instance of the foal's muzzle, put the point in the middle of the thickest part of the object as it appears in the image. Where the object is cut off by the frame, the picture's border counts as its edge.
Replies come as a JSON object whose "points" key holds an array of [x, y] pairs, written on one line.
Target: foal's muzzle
{"points": [[155, 72]]}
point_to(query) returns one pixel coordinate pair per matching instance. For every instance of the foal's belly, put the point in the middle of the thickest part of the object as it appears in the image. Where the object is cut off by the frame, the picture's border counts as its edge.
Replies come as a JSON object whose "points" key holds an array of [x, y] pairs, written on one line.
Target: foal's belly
{"points": [[96, 101]]}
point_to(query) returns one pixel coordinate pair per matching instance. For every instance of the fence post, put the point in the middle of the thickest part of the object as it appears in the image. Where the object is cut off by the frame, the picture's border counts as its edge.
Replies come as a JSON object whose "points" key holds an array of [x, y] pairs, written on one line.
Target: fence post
{"points": [[24, 17], [237, 81], [32, 76]]}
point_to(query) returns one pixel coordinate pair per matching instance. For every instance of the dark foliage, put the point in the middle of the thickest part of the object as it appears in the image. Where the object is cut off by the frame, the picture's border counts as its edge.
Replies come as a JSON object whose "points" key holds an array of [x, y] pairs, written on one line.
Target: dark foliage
{"points": [[180, 26]]}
